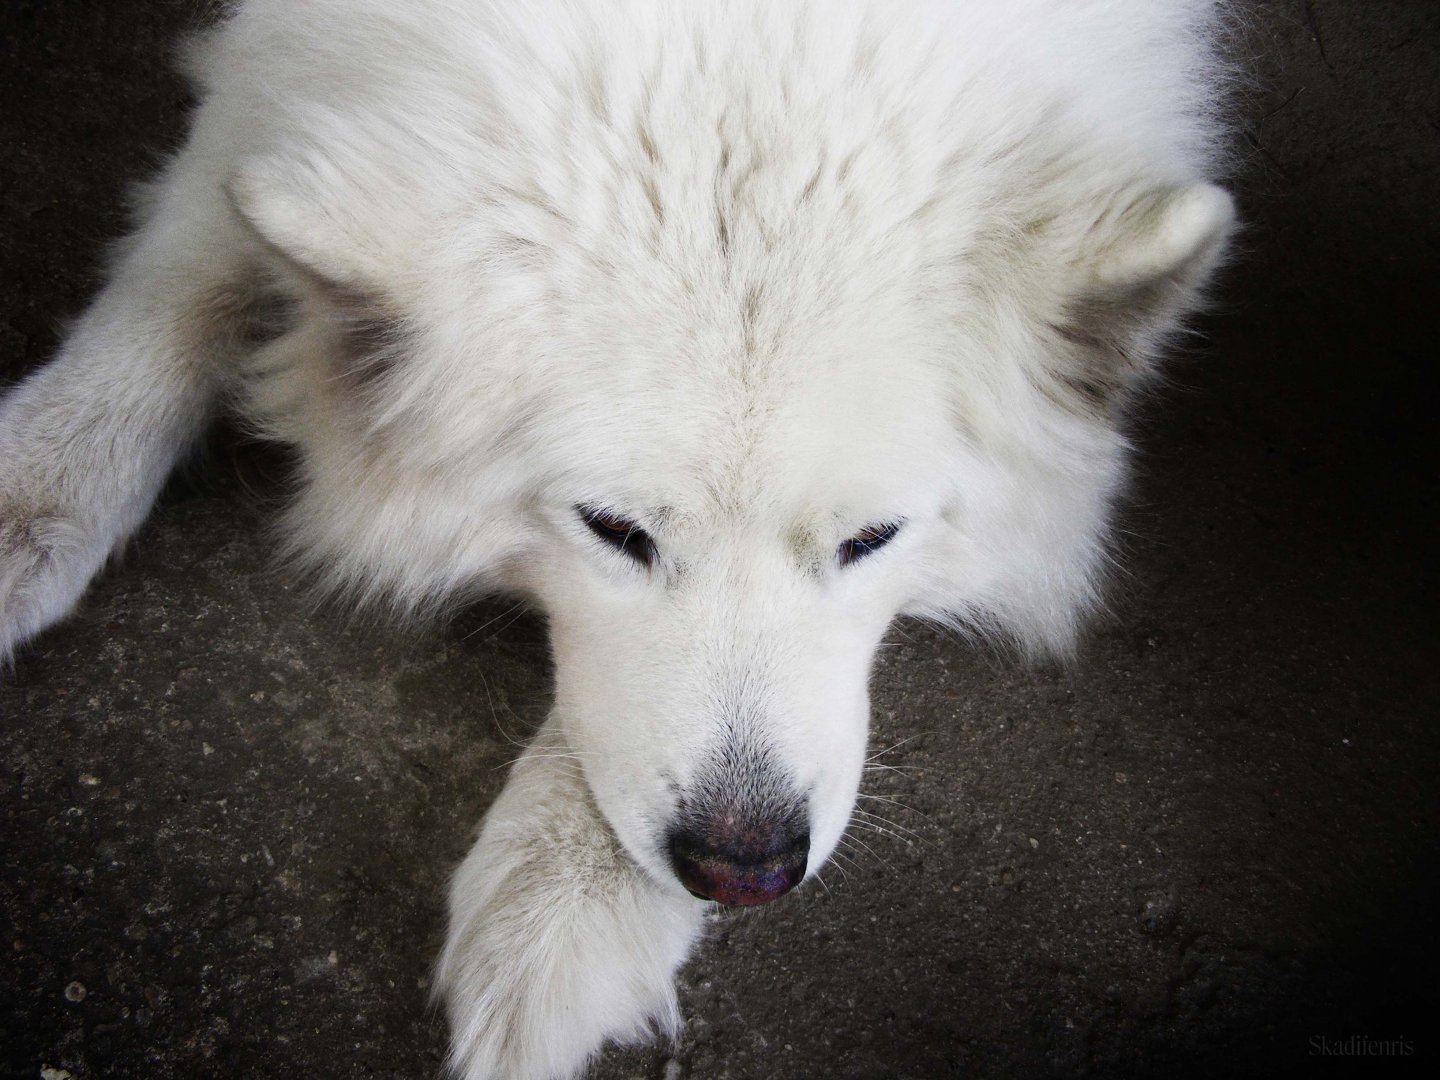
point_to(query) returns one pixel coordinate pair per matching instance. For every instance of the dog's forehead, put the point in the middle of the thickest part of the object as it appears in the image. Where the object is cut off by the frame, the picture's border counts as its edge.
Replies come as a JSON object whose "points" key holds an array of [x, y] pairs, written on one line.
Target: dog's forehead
{"points": [[774, 385], [808, 434], [770, 384]]}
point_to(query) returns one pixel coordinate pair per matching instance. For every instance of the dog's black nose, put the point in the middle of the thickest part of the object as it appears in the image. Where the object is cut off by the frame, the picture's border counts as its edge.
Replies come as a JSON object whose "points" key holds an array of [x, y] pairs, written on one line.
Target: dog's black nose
{"points": [[740, 862]]}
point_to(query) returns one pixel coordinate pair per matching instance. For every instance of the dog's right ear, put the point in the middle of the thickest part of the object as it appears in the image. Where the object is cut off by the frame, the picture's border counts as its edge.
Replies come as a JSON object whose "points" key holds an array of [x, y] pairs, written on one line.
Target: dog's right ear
{"points": [[348, 224]]}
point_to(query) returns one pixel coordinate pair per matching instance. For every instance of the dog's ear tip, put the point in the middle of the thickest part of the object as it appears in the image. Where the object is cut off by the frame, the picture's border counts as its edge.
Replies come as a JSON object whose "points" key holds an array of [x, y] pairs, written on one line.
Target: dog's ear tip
{"points": [[1208, 205], [269, 208], [1174, 233], [1201, 218], [257, 193]]}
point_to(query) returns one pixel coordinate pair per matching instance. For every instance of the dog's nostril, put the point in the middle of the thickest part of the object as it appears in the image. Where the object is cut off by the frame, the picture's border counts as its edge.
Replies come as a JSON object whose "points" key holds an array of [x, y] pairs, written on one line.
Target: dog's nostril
{"points": [[737, 871]]}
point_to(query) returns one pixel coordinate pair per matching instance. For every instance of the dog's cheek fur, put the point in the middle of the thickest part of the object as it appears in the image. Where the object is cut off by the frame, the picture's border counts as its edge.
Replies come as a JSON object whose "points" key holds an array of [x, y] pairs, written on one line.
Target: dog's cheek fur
{"points": [[1043, 455], [372, 515]]}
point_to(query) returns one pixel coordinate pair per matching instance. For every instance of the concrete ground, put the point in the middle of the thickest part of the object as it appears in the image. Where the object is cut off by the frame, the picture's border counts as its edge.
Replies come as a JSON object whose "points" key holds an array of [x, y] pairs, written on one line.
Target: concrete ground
{"points": [[1206, 847]]}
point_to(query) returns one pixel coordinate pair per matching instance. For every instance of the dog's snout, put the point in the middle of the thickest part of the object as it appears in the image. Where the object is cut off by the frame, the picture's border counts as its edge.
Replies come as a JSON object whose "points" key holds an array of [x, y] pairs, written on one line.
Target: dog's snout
{"points": [[741, 862]]}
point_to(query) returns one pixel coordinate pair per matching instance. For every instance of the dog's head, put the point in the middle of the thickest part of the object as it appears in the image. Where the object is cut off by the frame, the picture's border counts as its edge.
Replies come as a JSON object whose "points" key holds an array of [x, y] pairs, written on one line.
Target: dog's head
{"points": [[723, 442]]}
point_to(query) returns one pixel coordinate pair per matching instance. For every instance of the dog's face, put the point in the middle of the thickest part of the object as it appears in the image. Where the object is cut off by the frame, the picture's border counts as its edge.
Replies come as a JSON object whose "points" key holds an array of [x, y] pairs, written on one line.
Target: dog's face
{"points": [[719, 565], [722, 464]]}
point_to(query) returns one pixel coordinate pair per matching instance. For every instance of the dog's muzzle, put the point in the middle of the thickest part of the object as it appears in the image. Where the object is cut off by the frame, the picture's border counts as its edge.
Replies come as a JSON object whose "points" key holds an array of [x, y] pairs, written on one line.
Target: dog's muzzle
{"points": [[731, 860]]}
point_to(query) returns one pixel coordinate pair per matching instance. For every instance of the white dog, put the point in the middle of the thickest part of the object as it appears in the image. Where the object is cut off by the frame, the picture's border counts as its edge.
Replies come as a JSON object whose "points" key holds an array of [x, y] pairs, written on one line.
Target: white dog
{"points": [[725, 330]]}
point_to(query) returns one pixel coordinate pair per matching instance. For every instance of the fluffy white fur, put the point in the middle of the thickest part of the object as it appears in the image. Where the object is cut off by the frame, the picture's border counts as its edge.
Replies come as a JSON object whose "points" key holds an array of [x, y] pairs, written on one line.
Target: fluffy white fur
{"points": [[755, 274]]}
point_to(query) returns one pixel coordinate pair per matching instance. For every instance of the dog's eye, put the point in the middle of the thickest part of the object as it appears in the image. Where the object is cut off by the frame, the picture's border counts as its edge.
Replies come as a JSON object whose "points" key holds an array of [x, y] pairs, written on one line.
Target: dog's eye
{"points": [[865, 542], [620, 533]]}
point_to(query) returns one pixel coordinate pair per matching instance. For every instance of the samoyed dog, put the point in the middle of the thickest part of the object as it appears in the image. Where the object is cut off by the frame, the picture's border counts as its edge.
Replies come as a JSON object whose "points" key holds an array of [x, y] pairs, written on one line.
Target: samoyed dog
{"points": [[723, 330]]}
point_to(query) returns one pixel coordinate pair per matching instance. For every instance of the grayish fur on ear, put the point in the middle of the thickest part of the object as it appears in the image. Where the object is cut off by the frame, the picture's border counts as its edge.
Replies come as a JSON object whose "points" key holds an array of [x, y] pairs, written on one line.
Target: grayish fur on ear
{"points": [[304, 239], [1172, 234], [1141, 269]]}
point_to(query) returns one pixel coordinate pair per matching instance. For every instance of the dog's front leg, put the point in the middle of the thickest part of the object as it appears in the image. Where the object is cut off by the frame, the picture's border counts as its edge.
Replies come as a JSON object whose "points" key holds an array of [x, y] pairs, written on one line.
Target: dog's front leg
{"points": [[87, 441], [557, 941]]}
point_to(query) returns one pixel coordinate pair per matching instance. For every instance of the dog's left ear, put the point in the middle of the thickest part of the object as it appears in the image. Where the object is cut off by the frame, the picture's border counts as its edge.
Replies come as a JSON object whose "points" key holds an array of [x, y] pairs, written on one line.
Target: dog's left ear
{"points": [[343, 220], [1141, 266]]}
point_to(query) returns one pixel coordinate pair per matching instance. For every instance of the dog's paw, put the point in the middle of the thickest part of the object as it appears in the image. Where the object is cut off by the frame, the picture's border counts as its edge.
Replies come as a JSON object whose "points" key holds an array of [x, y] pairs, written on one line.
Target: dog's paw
{"points": [[557, 942], [46, 562]]}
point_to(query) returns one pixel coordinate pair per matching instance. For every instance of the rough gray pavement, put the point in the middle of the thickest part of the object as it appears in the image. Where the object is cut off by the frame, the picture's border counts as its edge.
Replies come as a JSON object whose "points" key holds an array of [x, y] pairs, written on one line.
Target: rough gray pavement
{"points": [[1207, 846]]}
